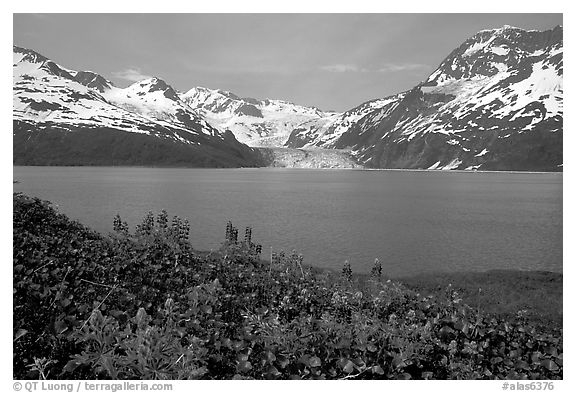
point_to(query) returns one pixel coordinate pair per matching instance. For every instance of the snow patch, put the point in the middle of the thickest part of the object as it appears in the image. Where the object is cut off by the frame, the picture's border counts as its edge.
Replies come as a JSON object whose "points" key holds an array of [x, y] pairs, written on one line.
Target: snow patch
{"points": [[454, 164], [500, 50], [484, 151]]}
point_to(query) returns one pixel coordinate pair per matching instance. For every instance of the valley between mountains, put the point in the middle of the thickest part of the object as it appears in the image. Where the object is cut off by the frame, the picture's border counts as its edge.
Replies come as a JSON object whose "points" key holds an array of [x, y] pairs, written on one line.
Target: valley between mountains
{"points": [[494, 103]]}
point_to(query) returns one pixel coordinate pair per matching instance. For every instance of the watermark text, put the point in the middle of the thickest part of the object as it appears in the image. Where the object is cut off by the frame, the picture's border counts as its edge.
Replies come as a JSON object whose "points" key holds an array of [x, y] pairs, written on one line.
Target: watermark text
{"points": [[90, 386]]}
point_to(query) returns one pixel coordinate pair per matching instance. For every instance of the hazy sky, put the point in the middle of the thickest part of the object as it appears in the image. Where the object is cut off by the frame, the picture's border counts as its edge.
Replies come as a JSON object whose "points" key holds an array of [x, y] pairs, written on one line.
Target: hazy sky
{"points": [[332, 61]]}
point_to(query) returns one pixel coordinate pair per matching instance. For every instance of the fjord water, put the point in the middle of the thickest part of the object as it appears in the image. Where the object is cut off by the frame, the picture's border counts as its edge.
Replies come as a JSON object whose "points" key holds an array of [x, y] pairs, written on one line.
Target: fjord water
{"points": [[413, 221]]}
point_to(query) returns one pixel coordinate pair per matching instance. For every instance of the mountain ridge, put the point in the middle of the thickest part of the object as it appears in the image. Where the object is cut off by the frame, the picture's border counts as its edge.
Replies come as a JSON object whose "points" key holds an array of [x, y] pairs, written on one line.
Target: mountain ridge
{"points": [[255, 122], [494, 103]]}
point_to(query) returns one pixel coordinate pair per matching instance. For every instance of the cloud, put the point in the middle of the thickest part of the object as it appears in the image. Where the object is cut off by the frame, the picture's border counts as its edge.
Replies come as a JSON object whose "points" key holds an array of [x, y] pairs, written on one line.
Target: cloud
{"points": [[131, 74], [388, 67], [39, 16], [342, 68]]}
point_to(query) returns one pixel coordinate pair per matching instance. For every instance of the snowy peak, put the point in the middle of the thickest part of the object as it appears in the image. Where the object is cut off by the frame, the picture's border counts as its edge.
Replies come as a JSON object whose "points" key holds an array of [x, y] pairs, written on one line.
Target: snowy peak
{"points": [[489, 52], [158, 101], [211, 100], [152, 85], [228, 94], [27, 55], [254, 122], [43, 89], [46, 92], [29, 61], [525, 40], [219, 101], [495, 103]]}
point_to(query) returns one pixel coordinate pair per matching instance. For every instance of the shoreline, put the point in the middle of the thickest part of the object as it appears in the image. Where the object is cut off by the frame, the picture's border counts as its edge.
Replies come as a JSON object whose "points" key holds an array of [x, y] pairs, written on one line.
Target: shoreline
{"points": [[332, 270], [291, 168]]}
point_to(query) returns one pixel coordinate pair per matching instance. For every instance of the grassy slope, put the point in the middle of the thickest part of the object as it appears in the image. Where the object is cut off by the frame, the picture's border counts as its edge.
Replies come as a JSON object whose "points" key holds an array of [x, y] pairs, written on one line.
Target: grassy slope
{"points": [[502, 292], [106, 146]]}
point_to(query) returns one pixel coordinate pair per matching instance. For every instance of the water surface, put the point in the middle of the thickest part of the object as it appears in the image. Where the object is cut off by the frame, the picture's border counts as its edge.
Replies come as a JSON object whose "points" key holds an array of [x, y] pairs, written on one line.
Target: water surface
{"points": [[413, 221]]}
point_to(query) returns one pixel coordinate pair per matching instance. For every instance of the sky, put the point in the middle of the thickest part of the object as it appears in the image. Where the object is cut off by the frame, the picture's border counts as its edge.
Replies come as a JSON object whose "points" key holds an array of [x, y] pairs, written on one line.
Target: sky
{"points": [[331, 61]]}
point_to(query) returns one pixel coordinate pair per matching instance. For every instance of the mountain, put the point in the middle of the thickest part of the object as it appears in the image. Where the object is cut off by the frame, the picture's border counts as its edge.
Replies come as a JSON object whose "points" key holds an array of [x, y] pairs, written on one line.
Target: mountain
{"points": [[326, 132], [495, 103], [66, 117], [254, 122]]}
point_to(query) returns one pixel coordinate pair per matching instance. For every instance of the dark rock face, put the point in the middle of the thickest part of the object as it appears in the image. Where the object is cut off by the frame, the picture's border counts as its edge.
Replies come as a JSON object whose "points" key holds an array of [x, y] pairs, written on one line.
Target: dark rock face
{"points": [[43, 106], [248, 110], [495, 103], [252, 101], [159, 85], [230, 95], [92, 80]]}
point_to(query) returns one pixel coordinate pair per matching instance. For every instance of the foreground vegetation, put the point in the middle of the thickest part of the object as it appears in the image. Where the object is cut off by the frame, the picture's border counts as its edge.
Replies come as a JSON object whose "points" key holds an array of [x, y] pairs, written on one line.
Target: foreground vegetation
{"points": [[536, 294], [143, 304]]}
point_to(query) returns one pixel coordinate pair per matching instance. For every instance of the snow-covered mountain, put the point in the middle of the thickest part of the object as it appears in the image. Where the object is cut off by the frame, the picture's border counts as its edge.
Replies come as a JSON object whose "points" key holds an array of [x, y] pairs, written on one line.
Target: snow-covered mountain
{"points": [[254, 122], [61, 116], [495, 103]]}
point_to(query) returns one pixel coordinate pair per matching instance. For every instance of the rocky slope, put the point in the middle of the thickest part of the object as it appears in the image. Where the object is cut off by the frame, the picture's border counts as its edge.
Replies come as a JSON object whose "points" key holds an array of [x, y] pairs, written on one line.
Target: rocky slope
{"points": [[66, 117], [495, 103]]}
